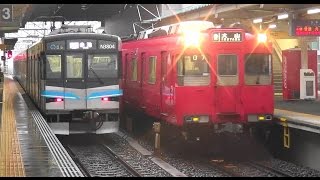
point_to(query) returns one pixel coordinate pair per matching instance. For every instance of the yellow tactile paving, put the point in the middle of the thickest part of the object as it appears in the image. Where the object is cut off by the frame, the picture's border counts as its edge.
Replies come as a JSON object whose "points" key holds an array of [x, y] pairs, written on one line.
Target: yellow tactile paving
{"points": [[11, 163]]}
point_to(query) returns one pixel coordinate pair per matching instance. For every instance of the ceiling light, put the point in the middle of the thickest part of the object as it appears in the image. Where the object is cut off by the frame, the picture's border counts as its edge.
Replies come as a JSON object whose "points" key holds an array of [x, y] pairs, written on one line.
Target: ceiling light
{"points": [[272, 26], [257, 20], [283, 16], [313, 11]]}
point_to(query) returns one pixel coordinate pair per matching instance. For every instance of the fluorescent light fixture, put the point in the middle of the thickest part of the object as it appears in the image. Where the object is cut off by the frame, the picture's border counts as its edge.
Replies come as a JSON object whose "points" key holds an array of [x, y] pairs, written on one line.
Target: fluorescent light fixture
{"points": [[283, 16], [313, 11], [272, 26], [259, 20]]}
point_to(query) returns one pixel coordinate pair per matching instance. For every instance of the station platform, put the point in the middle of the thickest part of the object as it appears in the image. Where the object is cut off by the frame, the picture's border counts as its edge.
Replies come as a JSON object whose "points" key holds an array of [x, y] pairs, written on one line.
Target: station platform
{"points": [[27, 147], [299, 114]]}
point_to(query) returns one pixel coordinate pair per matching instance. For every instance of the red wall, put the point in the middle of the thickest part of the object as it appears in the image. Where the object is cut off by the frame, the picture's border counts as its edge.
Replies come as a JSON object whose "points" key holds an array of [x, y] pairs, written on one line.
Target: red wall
{"points": [[291, 65]]}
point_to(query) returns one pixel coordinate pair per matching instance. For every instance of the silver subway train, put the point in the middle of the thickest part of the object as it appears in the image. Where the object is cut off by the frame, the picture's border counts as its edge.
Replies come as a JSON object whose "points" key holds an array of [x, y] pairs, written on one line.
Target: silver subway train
{"points": [[73, 79]]}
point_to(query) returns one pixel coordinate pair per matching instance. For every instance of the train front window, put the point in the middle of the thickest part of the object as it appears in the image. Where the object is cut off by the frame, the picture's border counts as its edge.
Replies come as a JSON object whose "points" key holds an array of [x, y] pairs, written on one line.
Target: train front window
{"points": [[258, 69], [74, 65], [227, 65], [102, 66], [53, 66], [193, 70], [227, 70]]}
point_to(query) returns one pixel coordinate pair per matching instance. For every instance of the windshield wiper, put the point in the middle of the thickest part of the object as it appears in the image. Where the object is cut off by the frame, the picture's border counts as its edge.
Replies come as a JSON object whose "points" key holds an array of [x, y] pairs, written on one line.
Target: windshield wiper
{"points": [[95, 74], [112, 62]]}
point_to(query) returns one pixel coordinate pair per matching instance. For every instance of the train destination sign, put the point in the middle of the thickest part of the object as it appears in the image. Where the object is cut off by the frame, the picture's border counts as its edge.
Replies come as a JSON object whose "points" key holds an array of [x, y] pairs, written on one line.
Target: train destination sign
{"points": [[305, 27], [57, 45], [81, 44], [227, 37]]}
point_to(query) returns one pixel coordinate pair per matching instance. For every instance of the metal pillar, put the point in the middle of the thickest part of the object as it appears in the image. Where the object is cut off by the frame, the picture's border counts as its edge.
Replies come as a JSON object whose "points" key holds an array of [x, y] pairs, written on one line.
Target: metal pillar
{"points": [[304, 52], [156, 129]]}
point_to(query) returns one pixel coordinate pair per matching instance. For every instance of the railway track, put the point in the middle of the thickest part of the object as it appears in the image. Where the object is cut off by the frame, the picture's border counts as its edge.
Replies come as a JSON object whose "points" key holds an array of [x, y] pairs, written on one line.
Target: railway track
{"points": [[250, 168], [98, 160], [225, 168], [268, 169], [127, 166], [81, 166]]}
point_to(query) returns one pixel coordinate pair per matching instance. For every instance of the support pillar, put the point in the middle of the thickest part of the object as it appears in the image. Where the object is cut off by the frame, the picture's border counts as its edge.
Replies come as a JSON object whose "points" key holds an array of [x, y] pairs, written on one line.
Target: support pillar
{"points": [[304, 52]]}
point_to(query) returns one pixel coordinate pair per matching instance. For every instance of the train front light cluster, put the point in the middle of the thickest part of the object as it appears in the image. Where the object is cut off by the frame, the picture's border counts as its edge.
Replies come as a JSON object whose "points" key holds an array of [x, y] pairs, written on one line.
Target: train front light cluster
{"points": [[261, 117], [197, 119], [191, 38], [262, 37]]}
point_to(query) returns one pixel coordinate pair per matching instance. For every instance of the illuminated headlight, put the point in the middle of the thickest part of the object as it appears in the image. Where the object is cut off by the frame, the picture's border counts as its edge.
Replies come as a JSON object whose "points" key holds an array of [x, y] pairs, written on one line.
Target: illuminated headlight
{"points": [[261, 117], [264, 117], [262, 38], [197, 119], [191, 38]]}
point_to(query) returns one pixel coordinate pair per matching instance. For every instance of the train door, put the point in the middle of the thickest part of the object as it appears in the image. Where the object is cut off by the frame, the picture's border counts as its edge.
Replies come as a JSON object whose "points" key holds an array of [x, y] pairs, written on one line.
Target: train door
{"points": [[227, 84], [165, 88], [75, 89], [142, 80]]}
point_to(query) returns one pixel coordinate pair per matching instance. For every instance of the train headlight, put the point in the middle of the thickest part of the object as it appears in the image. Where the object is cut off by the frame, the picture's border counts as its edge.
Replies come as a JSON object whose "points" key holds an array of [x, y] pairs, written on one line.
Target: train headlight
{"points": [[105, 99], [197, 119], [191, 38], [262, 38], [58, 99], [261, 118]]}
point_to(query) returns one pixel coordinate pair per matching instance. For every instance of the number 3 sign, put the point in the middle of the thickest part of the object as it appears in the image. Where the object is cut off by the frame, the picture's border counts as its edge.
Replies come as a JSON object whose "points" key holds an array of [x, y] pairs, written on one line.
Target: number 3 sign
{"points": [[5, 13]]}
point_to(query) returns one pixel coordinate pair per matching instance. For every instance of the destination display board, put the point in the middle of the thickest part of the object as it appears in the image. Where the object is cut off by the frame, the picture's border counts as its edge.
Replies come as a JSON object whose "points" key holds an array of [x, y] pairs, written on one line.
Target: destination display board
{"points": [[227, 37], [305, 27]]}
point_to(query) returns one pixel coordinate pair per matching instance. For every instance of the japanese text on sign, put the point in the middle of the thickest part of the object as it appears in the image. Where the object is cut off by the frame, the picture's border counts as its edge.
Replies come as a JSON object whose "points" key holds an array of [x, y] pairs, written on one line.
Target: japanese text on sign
{"points": [[305, 28], [227, 36]]}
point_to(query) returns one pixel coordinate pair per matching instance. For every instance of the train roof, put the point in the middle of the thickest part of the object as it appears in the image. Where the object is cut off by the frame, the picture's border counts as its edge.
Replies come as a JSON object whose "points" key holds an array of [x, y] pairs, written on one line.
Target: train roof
{"points": [[65, 36], [176, 28]]}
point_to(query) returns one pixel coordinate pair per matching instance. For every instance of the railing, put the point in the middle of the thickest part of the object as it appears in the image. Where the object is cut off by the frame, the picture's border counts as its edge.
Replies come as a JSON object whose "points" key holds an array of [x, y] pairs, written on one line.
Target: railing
{"points": [[277, 48], [1, 86]]}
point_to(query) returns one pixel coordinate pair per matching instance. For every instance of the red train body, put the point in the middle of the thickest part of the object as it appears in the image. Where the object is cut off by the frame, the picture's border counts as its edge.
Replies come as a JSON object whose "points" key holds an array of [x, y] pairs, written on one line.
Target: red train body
{"points": [[224, 82]]}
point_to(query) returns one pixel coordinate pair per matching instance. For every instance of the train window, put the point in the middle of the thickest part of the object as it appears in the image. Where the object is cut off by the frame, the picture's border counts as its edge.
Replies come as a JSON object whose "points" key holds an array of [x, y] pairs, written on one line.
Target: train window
{"points": [[258, 69], [53, 66], [227, 70], [134, 69], [102, 66], [193, 70], [74, 65], [152, 69], [170, 30], [227, 65]]}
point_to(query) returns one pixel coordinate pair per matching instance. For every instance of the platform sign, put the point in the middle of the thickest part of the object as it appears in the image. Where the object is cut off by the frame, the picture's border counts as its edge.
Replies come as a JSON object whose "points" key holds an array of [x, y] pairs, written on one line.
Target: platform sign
{"points": [[306, 27], [6, 12]]}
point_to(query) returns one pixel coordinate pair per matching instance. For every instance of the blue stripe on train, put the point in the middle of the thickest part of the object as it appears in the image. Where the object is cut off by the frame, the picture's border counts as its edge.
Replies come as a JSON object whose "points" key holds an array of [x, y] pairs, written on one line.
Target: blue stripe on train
{"points": [[106, 93], [59, 94]]}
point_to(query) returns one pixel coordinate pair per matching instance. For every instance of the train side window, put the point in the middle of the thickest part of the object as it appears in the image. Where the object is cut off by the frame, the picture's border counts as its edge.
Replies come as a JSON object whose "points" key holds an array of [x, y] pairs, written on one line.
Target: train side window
{"points": [[152, 69], [134, 69], [53, 66], [258, 69], [170, 30]]}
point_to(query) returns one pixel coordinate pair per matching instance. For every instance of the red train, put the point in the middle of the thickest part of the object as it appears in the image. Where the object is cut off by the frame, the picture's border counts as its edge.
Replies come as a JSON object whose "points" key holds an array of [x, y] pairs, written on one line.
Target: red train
{"points": [[194, 76]]}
